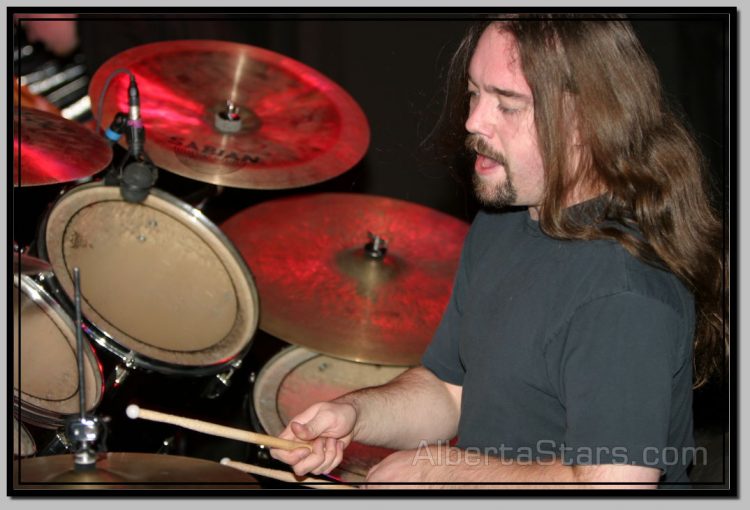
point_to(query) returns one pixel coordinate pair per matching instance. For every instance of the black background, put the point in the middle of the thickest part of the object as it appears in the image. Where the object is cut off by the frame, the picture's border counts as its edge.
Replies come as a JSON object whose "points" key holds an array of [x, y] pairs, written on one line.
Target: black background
{"points": [[394, 67]]}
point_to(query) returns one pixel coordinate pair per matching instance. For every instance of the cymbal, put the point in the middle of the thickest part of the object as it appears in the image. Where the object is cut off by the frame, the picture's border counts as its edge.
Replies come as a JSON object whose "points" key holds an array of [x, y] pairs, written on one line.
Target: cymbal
{"points": [[321, 287], [129, 471], [30, 265], [236, 115], [53, 149]]}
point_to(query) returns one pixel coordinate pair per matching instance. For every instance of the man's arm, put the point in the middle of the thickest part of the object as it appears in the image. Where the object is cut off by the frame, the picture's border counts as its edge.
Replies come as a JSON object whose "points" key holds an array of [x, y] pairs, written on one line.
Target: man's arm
{"points": [[432, 467], [414, 407]]}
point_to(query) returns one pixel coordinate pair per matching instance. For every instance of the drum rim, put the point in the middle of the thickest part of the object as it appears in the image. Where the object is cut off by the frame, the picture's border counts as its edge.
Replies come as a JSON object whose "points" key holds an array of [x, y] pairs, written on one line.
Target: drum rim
{"points": [[34, 413], [111, 344]]}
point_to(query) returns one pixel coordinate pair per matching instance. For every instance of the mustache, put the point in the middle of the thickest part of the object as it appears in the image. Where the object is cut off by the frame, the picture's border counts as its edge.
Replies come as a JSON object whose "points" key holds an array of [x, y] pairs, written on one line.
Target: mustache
{"points": [[475, 143]]}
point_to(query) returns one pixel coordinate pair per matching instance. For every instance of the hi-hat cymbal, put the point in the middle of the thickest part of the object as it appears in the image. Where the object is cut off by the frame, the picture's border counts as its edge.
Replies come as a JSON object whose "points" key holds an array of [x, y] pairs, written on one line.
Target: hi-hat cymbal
{"points": [[128, 471], [53, 149], [236, 115], [320, 288]]}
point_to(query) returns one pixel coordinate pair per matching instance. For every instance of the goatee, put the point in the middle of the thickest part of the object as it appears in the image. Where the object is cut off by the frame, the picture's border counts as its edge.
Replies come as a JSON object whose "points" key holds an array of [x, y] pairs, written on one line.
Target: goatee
{"points": [[495, 196]]}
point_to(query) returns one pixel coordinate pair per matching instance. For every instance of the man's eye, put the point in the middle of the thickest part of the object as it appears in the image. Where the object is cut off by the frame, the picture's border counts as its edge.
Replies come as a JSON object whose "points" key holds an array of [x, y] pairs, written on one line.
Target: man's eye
{"points": [[508, 111]]}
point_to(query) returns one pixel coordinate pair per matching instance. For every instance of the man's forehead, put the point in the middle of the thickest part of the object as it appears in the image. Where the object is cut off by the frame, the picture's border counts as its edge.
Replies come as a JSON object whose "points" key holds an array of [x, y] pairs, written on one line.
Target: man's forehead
{"points": [[496, 61]]}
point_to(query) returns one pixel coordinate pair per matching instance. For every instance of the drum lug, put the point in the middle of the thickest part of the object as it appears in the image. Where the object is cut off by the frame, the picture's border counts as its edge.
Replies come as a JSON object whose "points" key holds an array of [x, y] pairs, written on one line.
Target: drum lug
{"points": [[123, 370], [222, 381]]}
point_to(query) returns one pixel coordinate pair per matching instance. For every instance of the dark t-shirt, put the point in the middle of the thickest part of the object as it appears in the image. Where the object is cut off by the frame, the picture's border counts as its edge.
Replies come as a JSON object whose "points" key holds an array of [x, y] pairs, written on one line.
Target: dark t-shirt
{"points": [[567, 349]]}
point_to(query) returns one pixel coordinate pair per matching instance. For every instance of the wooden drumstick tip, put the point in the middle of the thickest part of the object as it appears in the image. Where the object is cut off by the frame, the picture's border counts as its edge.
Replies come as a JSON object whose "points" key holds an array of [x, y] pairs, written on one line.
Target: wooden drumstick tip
{"points": [[225, 460], [133, 411]]}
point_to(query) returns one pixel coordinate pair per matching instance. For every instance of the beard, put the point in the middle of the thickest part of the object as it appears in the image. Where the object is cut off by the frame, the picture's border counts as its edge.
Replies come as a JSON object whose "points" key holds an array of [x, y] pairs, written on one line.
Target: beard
{"points": [[494, 195], [491, 195]]}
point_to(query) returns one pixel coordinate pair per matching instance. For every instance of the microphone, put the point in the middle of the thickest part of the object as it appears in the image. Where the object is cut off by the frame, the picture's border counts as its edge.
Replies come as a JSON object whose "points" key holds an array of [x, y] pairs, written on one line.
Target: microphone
{"points": [[136, 135], [137, 180], [140, 175]]}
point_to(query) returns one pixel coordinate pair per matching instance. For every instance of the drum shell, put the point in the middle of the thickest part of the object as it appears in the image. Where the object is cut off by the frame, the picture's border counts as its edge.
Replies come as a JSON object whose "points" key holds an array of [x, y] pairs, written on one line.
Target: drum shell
{"points": [[123, 247]]}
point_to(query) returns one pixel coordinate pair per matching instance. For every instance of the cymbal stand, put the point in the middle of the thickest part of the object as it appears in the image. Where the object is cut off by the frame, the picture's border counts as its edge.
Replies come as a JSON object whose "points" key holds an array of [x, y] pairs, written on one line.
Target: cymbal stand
{"points": [[83, 430]]}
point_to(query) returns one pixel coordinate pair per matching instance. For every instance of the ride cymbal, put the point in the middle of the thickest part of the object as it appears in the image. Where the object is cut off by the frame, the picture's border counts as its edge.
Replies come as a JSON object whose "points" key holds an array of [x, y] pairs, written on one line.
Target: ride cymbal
{"points": [[128, 471], [236, 115], [52, 149], [357, 277]]}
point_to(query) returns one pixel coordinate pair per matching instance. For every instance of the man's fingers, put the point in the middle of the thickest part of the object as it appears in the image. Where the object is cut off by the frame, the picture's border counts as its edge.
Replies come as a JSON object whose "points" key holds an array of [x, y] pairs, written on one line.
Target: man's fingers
{"points": [[313, 460], [329, 454], [289, 456]]}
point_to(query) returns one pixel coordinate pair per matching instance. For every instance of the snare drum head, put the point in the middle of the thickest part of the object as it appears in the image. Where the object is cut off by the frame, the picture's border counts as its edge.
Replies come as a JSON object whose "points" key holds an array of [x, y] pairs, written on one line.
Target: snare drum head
{"points": [[23, 443], [45, 364], [157, 278], [296, 378]]}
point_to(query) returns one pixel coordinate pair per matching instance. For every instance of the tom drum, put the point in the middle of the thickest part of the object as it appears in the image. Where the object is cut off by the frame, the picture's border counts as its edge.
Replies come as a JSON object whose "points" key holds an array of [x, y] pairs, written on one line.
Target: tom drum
{"points": [[296, 378]]}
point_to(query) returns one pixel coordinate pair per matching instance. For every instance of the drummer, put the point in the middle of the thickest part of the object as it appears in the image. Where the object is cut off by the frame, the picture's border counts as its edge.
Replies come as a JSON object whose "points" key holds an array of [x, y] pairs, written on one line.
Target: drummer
{"points": [[580, 320]]}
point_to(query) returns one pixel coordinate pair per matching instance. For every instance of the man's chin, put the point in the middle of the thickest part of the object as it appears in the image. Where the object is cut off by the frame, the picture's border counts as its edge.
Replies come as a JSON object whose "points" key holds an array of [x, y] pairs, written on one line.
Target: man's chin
{"points": [[493, 195]]}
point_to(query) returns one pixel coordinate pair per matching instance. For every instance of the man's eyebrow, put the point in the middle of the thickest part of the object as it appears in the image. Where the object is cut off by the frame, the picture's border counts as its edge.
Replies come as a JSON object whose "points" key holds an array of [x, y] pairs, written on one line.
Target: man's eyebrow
{"points": [[509, 93], [503, 92]]}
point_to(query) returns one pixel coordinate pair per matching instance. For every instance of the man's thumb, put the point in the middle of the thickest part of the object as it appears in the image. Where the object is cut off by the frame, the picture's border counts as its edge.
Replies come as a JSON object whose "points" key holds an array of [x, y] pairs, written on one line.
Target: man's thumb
{"points": [[303, 431]]}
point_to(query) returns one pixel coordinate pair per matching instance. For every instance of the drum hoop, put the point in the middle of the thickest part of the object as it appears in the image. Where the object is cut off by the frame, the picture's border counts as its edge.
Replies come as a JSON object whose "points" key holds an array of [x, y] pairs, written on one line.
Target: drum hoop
{"points": [[27, 406], [105, 339]]}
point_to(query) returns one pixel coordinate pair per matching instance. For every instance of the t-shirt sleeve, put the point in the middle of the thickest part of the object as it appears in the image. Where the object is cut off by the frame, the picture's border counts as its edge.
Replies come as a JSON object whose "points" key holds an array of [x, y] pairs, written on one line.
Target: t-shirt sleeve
{"points": [[442, 356], [615, 371]]}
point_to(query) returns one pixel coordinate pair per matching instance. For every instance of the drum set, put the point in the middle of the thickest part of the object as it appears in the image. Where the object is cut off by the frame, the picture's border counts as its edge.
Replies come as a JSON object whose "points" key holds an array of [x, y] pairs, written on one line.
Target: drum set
{"points": [[351, 286]]}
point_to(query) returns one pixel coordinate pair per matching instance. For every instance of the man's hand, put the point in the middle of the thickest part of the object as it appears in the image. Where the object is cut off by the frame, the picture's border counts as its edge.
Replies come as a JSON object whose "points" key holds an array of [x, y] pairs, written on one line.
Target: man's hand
{"points": [[329, 426]]}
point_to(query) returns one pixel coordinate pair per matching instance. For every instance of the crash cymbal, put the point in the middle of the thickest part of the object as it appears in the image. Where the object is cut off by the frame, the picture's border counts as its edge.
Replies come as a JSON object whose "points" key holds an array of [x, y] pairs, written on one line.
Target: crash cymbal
{"points": [[321, 287], [128, 471], [53, 149], [29, 265], [236, 115]]}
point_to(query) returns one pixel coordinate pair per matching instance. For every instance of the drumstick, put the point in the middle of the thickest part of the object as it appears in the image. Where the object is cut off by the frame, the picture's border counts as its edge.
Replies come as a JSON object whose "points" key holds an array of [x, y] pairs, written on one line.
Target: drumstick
{"points": [[284, 476], [133, 411]]}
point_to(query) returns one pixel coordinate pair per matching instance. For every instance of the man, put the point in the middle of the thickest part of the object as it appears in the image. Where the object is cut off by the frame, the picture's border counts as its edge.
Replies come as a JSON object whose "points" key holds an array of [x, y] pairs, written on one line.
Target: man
{"points": [[566, 353]]}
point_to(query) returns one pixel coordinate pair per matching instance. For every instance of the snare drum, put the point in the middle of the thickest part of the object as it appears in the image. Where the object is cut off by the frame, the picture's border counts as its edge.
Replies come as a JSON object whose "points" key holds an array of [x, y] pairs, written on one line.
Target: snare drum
{"points": [[296, 378], [161, 287], [45, 363]]}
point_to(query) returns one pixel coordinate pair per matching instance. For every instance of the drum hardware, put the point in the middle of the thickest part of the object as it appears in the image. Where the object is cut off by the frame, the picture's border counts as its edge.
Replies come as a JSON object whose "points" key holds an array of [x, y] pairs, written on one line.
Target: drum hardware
{"points": [[221, 382], [122, 371], [326, 287], [82, 429], [167, 446], [57, 445], [240, 116]]}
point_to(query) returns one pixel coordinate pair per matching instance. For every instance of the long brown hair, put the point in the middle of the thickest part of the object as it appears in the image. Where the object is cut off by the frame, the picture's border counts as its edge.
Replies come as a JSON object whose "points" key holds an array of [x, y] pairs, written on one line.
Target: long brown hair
{"points": [[630, 146]]}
